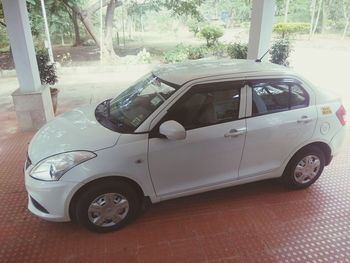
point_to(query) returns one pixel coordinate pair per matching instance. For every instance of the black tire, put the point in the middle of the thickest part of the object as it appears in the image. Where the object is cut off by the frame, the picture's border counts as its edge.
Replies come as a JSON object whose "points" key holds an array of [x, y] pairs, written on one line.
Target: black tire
{"points": [[111, 190], [289, 176]]}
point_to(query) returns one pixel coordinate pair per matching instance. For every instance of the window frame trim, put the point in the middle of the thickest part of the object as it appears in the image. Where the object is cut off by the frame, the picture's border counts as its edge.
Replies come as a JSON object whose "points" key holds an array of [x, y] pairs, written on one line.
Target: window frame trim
{"points": [[186, 89]]}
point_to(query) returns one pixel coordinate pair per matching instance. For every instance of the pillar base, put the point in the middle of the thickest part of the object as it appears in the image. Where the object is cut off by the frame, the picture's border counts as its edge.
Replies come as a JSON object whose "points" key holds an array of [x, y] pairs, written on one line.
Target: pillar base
{"points": [[34, 109]]}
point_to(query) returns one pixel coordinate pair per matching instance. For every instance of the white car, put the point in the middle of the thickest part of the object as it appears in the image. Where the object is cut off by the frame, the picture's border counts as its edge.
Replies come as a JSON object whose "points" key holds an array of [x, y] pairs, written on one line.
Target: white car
{"points": [[181, 130]]}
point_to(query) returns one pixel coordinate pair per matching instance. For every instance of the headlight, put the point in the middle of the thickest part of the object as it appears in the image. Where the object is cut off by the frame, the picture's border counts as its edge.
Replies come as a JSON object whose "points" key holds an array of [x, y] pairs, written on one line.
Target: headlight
{"points": [[52, 168]]}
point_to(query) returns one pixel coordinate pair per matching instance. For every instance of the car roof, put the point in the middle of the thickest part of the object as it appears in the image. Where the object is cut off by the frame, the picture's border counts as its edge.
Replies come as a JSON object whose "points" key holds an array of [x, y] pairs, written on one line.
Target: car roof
{"points": [[181, 73]]}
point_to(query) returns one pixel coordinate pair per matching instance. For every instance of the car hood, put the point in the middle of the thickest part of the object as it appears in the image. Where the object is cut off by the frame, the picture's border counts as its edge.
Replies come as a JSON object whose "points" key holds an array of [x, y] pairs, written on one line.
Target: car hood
{"points": [[71, 131]]}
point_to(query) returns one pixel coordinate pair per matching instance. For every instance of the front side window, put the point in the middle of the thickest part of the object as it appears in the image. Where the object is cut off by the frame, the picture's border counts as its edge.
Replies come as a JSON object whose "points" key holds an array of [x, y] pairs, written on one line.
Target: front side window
{"points": [[134, 105], [277, 95], [207, 104]]}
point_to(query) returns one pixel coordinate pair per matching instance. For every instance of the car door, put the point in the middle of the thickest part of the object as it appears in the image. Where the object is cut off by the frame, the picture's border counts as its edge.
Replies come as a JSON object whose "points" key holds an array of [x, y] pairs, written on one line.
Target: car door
{"points": [[210, 154], [281, 118]]}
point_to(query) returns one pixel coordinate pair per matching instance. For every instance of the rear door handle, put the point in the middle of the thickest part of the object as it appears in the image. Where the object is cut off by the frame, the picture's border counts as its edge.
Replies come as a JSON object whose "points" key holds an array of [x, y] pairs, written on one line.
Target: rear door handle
{"points": [[304, 119], [235, 132]]}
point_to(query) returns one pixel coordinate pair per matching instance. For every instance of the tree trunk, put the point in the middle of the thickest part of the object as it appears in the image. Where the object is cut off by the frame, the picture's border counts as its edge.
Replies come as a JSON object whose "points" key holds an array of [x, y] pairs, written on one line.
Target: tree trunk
{"points": [[11, 62], [89, 26], [286, 11], [74, 18], [93, 8], [347, 18], [123, 26], [230, 20], [345, 29], [318, 16], [141, 24], [313, 9], [324, 17], [109, 28], [62, 39], [83, 16], [130, 27], [77, 41]]}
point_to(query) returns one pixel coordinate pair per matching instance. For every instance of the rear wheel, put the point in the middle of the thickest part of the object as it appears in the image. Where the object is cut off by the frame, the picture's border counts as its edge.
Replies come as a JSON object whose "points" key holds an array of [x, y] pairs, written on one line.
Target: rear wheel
{"points": [[304, 168], [107, 206]]}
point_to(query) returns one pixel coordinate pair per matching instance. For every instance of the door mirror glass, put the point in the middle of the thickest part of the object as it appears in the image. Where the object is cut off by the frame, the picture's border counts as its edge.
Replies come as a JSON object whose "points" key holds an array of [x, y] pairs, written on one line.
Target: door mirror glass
{"points": [[172, 130]]}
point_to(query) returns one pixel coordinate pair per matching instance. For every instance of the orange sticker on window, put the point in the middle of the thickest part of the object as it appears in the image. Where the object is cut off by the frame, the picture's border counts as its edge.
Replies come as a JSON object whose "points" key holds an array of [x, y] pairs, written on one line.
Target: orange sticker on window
{"points": [[326, 110]]}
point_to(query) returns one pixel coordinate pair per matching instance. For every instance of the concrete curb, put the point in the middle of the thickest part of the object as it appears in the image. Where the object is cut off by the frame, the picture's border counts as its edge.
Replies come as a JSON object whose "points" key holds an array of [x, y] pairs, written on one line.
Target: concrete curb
{"points": [[7, 73]]}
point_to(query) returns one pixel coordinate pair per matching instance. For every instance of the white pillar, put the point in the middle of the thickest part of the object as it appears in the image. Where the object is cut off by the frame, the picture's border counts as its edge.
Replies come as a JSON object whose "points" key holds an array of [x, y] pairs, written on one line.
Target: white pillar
{"points": [[19, 33], [260, 28], [47, 33], [32, 102]]}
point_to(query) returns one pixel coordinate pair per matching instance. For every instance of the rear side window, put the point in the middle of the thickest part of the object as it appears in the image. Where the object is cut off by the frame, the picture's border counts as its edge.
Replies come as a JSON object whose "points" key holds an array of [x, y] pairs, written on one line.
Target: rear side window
{"points": [[298, 97], [275, 96]]}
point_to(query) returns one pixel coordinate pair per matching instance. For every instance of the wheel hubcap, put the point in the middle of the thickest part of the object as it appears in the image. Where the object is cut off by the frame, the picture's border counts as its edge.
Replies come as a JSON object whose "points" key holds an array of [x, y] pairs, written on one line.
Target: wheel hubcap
{"points": [[108, 209], [307, 169]]}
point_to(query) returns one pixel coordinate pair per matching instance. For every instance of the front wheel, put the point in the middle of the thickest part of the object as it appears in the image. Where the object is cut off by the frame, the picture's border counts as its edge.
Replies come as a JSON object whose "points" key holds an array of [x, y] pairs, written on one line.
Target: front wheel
{"points": [[304, 168], [107, 206]]}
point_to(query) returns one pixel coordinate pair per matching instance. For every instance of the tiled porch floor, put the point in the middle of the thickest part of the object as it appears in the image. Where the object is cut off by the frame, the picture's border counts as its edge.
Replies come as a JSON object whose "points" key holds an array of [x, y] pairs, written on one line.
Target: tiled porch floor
{"points": [[259, 222]]}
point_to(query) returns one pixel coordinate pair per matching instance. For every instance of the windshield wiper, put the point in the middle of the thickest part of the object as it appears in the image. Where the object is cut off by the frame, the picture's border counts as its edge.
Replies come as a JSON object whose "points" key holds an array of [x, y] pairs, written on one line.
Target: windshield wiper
{"points": [[108, 105], [114, 121], [107, 111]]}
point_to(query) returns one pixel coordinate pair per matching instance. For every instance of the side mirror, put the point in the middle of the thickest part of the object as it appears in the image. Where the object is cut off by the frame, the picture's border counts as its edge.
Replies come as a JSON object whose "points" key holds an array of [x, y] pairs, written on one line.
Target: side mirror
{"points": [[172, 130]]}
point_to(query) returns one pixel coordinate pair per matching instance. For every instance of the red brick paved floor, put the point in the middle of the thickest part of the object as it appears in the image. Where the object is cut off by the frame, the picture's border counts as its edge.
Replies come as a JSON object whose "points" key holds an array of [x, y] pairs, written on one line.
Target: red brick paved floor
{"points": [[259, 222]]}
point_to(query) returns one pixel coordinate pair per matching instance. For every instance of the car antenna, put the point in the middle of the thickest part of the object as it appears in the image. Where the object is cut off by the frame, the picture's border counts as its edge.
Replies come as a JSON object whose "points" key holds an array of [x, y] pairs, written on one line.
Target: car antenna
{"points": [[259, 59]]}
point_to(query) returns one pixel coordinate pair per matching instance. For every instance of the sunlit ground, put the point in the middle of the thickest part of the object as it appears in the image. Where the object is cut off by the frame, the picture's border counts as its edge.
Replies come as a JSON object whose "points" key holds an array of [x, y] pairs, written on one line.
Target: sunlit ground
{"points": [[325, 62]]}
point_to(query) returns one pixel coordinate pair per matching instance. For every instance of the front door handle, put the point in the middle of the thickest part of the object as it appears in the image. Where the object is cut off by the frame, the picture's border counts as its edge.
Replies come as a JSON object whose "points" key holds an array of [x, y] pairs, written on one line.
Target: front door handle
{"points": [[235, 133], [304, 119]]}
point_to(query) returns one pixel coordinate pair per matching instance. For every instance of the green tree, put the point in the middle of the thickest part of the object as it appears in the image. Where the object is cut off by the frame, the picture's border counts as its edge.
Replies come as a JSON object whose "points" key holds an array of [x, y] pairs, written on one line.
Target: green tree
{"points": [[59, 18], [235, 11], [2, 20], [3, 38], [346, 13], [86, 14], [212, 33]]}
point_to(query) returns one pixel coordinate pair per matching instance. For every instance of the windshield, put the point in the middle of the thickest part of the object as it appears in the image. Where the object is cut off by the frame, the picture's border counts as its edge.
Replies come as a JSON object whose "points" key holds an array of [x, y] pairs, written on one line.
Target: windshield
{"points": [[135, 104]]}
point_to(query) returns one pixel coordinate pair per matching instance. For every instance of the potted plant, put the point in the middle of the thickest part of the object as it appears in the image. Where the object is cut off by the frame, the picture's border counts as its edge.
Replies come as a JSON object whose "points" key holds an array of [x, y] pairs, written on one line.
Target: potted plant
{"points": [[48, 75]]}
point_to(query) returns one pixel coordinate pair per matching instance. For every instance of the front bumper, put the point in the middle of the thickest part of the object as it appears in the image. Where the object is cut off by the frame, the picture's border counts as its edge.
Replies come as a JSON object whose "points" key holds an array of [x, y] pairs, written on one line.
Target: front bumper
{"points": [[49, 200]]}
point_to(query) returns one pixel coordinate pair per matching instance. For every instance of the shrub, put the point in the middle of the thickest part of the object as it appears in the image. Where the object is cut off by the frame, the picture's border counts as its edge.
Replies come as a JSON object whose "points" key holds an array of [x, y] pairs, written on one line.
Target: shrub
{"points": [[219, 50], [194, 26], [280, 51], [237, 50], [144, 56], [89, 42], [337, 25], [212, 33], [179, 54], [47, 70], [183, 52], [196, 52], [4, 43], [64, 59], [285, 29]]}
